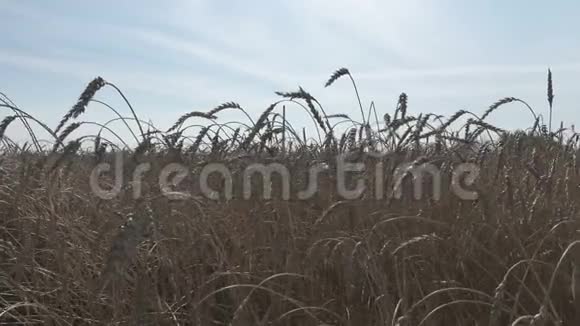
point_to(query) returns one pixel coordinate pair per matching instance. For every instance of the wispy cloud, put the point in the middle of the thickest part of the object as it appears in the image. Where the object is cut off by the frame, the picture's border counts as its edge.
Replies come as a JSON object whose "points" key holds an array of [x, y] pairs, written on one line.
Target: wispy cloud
{"points": [[466, 71], [152, 81], [204, 53], [446, 55]]}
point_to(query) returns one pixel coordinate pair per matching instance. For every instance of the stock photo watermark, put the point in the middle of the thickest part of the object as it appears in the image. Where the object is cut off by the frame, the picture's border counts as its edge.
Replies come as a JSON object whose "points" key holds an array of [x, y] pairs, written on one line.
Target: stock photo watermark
{"points": [[463, 176]]}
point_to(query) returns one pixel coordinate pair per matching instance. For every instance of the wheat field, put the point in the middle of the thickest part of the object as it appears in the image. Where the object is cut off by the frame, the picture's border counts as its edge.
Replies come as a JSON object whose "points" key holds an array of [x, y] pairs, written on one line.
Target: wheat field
{"points": [[510, 256]]}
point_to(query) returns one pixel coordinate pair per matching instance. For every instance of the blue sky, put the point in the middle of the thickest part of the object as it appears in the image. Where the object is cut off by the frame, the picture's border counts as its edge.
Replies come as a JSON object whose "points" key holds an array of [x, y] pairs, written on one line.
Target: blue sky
{"points": [[177, 56]]}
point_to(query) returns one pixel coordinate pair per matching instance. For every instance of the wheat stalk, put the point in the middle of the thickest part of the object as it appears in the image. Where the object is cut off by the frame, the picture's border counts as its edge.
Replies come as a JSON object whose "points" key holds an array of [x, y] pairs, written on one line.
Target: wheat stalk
{"points": [[194, 148], [550, 95], [336, 75], [67, 131], [186, 116], [259, 125], [5, 123], [79, 108], [309, 99]]}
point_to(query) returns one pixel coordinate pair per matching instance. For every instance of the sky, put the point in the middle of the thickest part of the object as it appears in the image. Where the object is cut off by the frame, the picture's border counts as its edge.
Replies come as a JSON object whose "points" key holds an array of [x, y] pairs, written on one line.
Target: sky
{"points": [[173, 57]]}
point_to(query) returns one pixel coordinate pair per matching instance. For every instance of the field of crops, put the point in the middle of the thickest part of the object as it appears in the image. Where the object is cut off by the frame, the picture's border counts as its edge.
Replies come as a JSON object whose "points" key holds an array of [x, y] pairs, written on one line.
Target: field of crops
{"points": [[489, 235]]}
